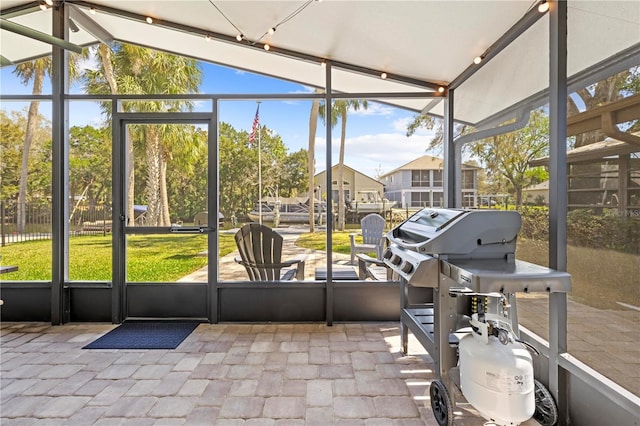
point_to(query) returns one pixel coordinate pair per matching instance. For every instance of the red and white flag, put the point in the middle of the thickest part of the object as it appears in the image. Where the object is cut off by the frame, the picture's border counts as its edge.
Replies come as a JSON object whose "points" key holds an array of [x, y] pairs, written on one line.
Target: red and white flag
{"points": [[256, 124]]}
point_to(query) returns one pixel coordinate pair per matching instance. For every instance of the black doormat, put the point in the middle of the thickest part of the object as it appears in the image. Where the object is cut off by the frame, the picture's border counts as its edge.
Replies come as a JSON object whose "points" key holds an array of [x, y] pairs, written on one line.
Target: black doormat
{"points": [[145, 335]]}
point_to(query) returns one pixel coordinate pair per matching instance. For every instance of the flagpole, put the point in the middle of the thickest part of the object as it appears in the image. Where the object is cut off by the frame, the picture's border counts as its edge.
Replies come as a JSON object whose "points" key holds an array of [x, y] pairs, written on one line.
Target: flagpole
{"points": [[259, 172]]}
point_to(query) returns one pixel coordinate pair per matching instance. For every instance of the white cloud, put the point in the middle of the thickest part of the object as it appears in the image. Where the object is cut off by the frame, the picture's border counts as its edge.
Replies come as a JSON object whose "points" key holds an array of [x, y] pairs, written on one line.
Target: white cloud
{"points": [[375, 153], [373, 109], [401, 125]]}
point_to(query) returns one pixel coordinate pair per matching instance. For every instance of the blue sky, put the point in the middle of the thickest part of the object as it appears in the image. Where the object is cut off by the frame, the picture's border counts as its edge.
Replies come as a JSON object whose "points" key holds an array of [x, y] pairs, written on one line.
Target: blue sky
{"points": [[376, 141]]}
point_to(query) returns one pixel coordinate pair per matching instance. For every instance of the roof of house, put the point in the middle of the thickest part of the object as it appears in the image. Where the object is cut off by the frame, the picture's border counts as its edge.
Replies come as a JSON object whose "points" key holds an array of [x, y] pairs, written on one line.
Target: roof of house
{"points": [[353, 170], [426, 162]]}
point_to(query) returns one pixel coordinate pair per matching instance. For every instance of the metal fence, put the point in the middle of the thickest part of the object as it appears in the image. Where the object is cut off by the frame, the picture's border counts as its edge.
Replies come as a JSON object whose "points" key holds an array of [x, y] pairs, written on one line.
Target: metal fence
{"points": [[83, 219]]}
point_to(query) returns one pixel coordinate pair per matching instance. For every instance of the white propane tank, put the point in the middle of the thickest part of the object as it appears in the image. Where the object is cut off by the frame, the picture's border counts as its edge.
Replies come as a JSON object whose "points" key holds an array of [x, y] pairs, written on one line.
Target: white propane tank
{"points": [[497, 379]]}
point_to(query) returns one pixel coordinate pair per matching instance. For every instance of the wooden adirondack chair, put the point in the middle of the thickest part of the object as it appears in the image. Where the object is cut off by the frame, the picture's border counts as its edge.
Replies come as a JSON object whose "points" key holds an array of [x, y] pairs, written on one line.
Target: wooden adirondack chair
{"points": [[260, 250], [372, 233]]}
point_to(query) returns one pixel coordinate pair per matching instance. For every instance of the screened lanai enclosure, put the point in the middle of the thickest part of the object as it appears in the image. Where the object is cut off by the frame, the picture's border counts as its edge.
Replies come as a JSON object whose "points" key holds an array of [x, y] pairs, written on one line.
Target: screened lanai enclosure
{"points": [[138, 137]]}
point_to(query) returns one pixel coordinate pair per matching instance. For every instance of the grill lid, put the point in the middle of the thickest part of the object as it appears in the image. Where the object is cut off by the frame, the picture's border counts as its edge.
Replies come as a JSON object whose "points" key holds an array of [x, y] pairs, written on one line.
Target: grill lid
{"points": [[459, 232]]}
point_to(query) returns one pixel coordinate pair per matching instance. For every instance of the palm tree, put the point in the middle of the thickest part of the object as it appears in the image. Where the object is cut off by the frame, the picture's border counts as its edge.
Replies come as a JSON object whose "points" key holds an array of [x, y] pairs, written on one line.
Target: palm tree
{"points": [[340, 109], [137, 70], [26, 72], [313, 126]]}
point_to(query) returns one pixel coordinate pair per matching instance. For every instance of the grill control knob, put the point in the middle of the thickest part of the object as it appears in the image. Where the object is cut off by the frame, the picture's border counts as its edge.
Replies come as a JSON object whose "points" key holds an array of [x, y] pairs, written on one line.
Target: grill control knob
{"points": [[406, 267], [387, 254], [396, 260]]}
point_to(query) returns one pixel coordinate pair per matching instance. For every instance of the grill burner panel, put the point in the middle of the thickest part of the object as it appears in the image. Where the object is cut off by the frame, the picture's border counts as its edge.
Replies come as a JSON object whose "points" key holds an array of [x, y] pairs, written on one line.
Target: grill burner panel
{"points": [[418, 269]]}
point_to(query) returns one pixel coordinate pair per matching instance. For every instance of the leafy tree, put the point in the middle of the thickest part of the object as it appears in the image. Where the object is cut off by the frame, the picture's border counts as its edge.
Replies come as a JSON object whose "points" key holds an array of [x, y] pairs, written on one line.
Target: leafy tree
{"points": [[508, 156], [90, 164], [238, 169], [294, 174], [12, 129]]}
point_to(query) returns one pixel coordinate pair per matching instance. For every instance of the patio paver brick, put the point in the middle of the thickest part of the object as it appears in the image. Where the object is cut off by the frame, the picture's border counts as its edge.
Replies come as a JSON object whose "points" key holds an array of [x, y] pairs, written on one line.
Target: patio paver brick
{"points": [[285, 375]]}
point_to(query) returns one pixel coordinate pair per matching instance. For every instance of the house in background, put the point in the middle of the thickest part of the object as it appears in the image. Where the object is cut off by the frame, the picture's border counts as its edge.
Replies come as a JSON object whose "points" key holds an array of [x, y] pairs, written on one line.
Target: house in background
{"points": [[419, 184], [537, 194], [354, 181]]}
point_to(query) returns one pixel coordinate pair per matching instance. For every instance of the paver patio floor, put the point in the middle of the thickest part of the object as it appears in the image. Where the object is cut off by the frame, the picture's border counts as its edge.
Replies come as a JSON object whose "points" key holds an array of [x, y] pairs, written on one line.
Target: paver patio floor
{"points": [[222, 374]]}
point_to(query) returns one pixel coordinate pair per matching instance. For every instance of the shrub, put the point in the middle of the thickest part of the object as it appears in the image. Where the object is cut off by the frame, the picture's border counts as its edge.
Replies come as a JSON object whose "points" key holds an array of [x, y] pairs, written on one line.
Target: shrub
{"points": [[586, 228]]}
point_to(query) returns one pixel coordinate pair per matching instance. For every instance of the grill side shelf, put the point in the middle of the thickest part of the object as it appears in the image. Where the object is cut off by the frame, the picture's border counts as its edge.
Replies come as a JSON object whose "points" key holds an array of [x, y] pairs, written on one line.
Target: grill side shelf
{"points": [[503, 276]]}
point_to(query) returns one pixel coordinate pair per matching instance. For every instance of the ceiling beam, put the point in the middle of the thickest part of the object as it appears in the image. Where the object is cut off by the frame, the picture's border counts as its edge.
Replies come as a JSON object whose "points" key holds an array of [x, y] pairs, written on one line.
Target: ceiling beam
{"points": [[89, 25], [37, 35]]}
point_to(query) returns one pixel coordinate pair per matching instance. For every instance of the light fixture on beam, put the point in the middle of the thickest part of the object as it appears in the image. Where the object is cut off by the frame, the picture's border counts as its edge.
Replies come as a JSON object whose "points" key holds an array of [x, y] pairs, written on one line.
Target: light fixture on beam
{"points": [[73, 27], [271, 30], [92, 11], [441, 89], [49, 2], [267, 47], [149, 20], [240, 37], [543, 6], [383, 76], [207, 37], [477, 60], [43, 6]]}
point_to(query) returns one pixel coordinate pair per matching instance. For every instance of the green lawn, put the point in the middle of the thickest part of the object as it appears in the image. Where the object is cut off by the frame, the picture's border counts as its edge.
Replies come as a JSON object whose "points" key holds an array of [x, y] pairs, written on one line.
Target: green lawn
{"points": [[318, 241], [600, 278], [149, 257]]}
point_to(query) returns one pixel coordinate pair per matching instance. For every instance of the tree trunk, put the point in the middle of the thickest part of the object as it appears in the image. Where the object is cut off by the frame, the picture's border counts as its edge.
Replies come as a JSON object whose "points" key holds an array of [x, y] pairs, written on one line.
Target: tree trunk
{"points": [[313, 126], [164, 196], [32, 123], [105, 57], [153, 152], [341, 202]]}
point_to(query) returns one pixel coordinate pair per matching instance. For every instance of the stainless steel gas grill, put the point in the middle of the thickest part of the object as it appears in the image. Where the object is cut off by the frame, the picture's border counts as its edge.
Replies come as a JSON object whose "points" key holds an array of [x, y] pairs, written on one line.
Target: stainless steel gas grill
{"points": [[471, 330]]}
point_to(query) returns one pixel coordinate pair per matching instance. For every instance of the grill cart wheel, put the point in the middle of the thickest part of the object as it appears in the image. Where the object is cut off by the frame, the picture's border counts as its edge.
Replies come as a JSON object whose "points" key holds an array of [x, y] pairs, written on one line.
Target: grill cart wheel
{"points": [[546, 410], [441, 403]]}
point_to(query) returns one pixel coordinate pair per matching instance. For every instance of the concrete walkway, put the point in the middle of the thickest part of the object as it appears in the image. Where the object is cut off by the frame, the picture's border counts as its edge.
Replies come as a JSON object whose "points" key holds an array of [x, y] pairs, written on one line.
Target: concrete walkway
{"points": [[229, 270]]}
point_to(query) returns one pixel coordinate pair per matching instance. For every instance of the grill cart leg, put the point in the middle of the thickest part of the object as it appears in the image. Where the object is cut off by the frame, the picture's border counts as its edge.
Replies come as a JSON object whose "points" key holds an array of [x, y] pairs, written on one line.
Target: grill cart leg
{"points": [[441, 403]]}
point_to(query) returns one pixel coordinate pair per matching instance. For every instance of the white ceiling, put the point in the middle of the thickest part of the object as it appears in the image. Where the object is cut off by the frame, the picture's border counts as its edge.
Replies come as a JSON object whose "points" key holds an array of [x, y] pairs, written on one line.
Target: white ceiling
{"points": [[420, 41]]}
